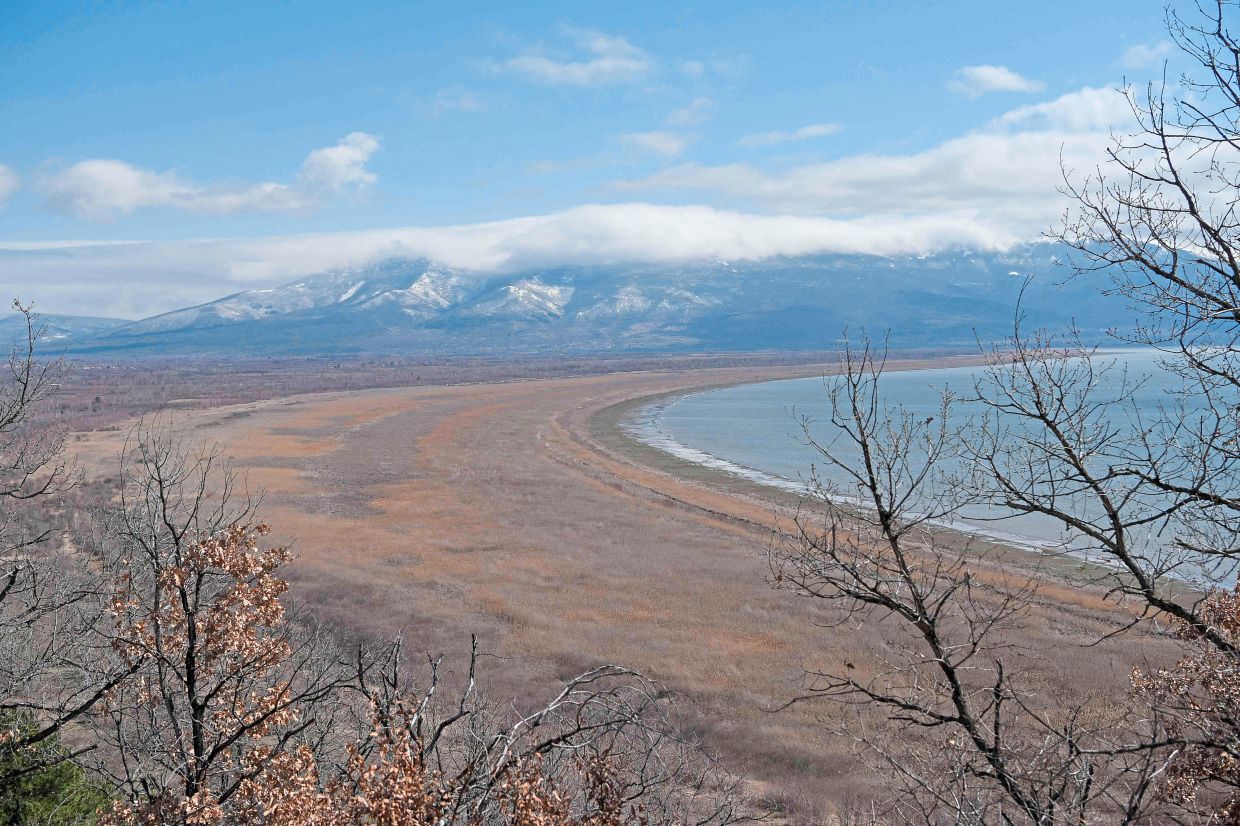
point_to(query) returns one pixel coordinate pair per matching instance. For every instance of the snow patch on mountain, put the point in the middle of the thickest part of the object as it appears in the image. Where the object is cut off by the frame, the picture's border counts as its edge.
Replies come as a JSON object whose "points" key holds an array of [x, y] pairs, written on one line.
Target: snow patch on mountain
{"points": [[528, 298], [437, 289], [253, 305], [628, 300]]}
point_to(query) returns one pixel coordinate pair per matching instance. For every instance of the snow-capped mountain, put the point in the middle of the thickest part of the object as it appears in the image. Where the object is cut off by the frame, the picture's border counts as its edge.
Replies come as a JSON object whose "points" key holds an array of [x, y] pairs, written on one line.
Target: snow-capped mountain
{"points": [[527, 298], [415, 306], [420, 291], [56, 329]]}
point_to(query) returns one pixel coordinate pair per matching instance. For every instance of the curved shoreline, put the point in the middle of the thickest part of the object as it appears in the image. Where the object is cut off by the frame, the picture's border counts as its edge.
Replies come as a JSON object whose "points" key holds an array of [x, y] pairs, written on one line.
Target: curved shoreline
{"points": [[606, 429], [519, 512], [642, 425], [610, 429], [658, 438]]}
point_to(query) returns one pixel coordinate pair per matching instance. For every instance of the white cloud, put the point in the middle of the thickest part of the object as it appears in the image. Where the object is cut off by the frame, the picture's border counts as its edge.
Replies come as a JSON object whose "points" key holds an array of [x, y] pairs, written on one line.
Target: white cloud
{"points": [[1092, 108], [104, 189], [697, 111], [990, 189], [1145, 55], [667, 144], [814, 130], [980, 172], [975, 81], [99, 190], [141, 278], [1004, 176], [609, 59], [8, 183], [340, 167]]}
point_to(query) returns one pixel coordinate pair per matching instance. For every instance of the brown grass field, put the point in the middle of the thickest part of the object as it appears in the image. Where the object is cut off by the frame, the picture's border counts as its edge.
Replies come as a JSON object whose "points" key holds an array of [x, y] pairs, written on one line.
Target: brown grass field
{"points": [[516, 511]]}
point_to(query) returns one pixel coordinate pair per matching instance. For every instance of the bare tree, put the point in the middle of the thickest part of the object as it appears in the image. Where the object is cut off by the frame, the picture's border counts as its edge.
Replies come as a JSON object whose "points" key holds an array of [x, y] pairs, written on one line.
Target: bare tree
{"points": [[223, 680], [50, 676], [1148, 500], [33, 463], [1199, 698], [608, 743], [240, 710], [958, 729], [1161, 221]]}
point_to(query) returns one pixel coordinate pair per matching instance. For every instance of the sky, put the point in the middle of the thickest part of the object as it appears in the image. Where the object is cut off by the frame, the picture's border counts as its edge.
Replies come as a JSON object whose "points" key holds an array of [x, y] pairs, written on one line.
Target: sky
{"points": [[161, 155]]}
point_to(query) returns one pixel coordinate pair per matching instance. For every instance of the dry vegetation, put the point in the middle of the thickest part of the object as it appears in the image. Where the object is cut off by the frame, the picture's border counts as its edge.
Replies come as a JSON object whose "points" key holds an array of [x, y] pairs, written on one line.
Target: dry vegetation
{"points": [[98, 394], [165, 657], [160, 644], [434, 512]]}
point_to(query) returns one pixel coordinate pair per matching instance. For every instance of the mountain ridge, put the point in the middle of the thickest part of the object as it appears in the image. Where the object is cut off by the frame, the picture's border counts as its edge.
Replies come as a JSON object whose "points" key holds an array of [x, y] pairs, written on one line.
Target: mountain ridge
{"points": [[408, 306]]}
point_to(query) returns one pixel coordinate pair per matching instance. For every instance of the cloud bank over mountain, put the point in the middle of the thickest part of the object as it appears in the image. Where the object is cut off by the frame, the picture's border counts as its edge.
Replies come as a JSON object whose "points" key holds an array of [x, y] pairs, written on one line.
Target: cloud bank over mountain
{"points": [[412, 306], [988, 189], [141, 278]]}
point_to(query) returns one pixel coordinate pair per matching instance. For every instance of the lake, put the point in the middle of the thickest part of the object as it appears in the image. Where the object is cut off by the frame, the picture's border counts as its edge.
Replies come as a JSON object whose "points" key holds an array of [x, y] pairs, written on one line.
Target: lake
{"points": [[752, 431]]}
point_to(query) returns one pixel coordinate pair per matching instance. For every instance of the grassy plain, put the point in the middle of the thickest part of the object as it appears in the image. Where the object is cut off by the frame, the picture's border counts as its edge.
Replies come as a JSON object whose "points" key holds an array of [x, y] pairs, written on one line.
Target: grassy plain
{"points": [[517, 511]]}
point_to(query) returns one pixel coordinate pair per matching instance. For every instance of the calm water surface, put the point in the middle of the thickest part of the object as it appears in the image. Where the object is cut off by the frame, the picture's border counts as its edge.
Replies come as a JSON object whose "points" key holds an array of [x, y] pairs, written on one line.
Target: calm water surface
{"points": [[752, 430]]}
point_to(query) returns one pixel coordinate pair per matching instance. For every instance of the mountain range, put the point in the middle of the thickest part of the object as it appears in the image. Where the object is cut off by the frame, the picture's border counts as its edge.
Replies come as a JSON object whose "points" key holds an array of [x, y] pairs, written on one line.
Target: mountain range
{"points": [[413, 306]]}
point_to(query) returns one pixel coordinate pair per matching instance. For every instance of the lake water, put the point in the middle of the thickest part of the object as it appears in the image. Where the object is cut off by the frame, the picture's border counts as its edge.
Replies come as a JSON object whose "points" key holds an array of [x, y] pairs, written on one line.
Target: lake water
{"points": [[751, 431]]}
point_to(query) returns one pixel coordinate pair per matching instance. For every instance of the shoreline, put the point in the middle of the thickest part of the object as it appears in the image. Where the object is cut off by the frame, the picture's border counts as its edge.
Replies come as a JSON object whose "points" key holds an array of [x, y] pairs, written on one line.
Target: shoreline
{"points": [[519, 512], [610, 430]]}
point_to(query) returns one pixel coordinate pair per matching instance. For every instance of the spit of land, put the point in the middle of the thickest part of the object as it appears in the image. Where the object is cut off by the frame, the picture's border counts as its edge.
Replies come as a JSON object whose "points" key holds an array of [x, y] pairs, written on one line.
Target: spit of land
{"points": [[518, 511]]}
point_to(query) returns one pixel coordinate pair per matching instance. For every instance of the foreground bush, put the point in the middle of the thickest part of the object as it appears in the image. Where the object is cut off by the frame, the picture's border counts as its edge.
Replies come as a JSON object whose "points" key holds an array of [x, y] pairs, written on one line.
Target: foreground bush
{"points": [[237, 709], [42, 785]]}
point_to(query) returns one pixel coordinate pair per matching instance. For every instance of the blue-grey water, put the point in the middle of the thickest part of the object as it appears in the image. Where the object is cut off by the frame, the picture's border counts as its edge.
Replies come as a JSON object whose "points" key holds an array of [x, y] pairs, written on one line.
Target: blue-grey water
{"points": [[752, 430]]}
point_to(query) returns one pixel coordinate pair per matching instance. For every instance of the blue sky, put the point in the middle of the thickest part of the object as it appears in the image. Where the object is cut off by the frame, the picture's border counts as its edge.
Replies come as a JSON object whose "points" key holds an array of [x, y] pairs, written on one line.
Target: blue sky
{"points": [[502, 135]]}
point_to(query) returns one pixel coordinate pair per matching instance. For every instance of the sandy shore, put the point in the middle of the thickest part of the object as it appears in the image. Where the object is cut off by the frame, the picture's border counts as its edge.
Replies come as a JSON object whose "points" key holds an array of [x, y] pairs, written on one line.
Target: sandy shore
{"points": [[517, 511]]}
